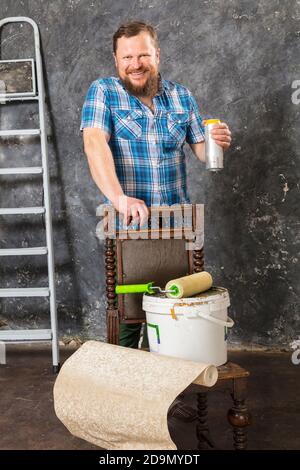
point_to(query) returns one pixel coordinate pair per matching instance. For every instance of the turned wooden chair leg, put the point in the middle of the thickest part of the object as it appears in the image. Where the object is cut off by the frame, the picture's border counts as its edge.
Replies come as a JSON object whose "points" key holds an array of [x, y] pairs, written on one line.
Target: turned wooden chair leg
{"points": [[239, 416], [202, 430], [112, 314]]}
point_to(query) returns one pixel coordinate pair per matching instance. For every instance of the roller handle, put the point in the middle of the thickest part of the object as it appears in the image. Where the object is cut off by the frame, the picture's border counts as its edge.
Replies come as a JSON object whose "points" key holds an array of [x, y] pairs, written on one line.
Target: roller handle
{"points": [[135, 288]]}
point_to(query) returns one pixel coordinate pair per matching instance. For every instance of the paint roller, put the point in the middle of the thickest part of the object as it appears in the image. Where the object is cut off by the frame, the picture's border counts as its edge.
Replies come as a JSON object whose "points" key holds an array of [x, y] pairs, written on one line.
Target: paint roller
{"points": [[185, 286]]}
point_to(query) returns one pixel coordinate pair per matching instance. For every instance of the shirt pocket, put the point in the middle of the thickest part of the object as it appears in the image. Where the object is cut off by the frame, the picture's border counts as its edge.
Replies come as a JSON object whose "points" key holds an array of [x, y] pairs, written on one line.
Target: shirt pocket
{"points": [[128, 124], [177, 124]]}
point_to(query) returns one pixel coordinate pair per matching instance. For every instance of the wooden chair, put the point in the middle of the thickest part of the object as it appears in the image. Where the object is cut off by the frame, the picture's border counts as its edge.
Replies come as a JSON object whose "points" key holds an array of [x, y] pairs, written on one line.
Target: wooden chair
{"points": [[160, 255]]}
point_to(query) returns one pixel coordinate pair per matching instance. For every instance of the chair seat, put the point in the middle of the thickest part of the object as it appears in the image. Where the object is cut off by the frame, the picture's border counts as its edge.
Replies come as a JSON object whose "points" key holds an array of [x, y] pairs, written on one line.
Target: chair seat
{"points": [[231, 371]]}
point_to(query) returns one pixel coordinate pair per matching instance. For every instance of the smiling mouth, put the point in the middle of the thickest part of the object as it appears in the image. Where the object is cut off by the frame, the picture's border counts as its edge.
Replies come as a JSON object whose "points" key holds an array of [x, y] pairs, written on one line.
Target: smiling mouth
{"points": [[137, 74]]}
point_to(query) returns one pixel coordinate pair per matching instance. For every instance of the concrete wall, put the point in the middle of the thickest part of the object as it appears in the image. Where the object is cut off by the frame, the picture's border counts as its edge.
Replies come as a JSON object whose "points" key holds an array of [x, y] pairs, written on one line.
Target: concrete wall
{"points": [[239, 58]]}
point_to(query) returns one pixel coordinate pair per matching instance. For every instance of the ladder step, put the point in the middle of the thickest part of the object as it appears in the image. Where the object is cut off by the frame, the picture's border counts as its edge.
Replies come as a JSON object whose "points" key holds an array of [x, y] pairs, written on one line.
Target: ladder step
{"points": [[41, 250], [25, 335], [22, 170], [5, 98], [25, 292], [21, 132], [22, 210]]}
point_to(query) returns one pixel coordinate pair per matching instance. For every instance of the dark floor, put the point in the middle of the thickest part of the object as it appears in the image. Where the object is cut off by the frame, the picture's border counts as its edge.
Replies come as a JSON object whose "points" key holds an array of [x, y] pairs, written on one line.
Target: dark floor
{"points": [[28, 421]]}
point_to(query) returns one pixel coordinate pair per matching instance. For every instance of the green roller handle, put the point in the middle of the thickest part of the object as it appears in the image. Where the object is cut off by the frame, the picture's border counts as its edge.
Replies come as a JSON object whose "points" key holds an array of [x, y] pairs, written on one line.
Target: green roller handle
{"points": [[135, 288]]}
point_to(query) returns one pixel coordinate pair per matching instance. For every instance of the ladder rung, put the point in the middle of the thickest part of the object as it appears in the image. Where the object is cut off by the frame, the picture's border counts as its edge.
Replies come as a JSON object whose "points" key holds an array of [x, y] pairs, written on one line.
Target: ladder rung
{"points": [[25, 292], [39, 250], [21, 210], [5, 98], [22, 170], [25, 335], [20, 132]]}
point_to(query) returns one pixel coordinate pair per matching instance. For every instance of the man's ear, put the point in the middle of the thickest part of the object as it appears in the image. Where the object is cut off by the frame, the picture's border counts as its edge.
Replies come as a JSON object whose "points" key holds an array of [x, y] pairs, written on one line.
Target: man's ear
{"points": [[158, 55], [115, 59]]}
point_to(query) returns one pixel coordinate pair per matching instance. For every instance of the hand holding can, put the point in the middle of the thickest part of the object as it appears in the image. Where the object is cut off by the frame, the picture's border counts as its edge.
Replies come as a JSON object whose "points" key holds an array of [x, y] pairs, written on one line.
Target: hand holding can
{"points": [[213, 151]]}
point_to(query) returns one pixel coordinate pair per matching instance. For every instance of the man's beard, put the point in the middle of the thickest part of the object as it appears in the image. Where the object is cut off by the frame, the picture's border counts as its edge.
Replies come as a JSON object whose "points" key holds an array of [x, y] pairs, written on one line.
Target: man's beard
{"points": [[148, 89]]}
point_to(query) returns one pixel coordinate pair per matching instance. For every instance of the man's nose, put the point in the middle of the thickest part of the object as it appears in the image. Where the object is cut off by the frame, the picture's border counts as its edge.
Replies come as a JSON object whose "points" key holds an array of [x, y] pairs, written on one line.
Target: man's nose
{"points": [[136, 62]]}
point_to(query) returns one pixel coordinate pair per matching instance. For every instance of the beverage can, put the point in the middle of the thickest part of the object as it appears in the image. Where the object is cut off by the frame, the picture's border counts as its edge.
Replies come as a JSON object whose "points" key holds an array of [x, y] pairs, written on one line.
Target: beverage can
{"points": [[213, 151]]}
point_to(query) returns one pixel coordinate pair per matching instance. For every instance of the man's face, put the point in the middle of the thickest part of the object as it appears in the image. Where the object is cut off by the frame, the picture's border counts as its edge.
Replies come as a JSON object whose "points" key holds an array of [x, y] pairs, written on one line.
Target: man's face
{"points": [[137, 63]]}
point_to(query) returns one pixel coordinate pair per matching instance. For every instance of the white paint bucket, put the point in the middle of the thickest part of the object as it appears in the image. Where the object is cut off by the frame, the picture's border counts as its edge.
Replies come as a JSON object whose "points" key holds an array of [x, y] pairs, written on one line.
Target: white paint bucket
{"points": [[193, 328]]}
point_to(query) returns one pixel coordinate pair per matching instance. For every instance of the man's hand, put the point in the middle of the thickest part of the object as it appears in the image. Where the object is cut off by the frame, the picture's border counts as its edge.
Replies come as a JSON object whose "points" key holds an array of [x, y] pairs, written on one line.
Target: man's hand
{"points": [[132, 208], [222, 135]]}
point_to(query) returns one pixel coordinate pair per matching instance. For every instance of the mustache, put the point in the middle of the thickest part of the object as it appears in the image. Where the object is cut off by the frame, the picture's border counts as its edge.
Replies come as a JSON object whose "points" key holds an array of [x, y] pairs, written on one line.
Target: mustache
{"points": [[141, 69]]}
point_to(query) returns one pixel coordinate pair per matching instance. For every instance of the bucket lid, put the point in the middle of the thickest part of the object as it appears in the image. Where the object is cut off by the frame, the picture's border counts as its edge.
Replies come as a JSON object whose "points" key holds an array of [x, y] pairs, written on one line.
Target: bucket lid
{"points": [[214, 295], [213, 291]]}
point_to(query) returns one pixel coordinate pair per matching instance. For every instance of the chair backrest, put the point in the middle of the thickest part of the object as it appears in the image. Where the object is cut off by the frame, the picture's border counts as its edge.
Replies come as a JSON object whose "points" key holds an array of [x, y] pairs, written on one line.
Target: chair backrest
{"points": [[172, 247], [145, 261]]}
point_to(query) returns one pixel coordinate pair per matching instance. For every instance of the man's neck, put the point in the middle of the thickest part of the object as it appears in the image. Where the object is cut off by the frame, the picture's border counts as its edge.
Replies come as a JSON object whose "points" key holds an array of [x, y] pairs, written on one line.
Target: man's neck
{"points": [[148, 101]]}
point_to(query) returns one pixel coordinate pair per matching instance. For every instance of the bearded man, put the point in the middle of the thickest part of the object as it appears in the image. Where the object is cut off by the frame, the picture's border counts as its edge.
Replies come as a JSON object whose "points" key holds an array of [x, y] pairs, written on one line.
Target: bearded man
{"points": [[134, 130]]}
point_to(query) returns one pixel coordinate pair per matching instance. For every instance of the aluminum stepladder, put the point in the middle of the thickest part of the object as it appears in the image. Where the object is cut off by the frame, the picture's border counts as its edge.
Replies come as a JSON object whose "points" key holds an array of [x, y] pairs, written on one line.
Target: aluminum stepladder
{"points": [[34, 335]]}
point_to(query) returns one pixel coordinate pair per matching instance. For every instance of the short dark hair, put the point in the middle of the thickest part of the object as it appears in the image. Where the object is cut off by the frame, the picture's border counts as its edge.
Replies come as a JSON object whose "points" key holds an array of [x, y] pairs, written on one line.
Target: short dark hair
{"points": [[133, 29]]}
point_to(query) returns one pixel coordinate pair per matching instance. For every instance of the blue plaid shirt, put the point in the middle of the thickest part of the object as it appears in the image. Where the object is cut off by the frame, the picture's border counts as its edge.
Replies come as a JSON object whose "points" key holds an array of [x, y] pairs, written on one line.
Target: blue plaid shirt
{"points": [[147, 147]]}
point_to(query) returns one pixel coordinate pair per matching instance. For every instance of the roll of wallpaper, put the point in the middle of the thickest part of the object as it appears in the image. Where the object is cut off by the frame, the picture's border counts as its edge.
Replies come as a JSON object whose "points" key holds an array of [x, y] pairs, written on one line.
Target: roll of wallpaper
{"points": [[188, 286], [98, 400]]}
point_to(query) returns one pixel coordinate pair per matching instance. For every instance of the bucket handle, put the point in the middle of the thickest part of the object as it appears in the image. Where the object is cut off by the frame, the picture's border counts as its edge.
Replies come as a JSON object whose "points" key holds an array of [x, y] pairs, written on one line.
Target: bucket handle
{"points": [[228, 324]]}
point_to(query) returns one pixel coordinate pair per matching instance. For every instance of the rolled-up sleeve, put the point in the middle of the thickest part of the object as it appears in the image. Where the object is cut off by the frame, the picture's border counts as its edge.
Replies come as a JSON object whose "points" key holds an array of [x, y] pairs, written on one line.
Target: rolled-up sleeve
{"points": [[96, 110], [195, 131]]}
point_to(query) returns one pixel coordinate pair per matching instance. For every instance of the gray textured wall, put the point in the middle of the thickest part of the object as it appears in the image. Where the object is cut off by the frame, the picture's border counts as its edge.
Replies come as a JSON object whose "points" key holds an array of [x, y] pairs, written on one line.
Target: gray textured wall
{"points": [[240, 59]]}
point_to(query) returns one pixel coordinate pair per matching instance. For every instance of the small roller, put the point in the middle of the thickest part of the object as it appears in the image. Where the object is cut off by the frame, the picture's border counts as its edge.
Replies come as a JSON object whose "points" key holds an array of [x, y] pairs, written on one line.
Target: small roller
{"points": [[186, 286]]}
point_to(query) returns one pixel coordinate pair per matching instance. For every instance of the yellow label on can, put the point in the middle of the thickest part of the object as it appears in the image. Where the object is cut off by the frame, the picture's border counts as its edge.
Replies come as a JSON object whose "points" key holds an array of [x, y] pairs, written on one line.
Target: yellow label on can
{"points": [[210, 121]]}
